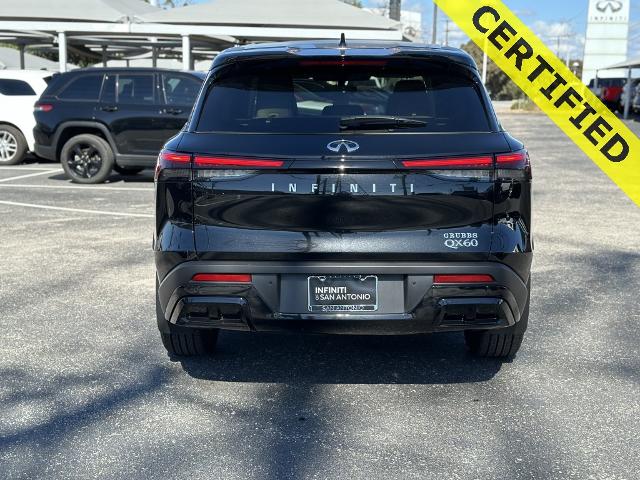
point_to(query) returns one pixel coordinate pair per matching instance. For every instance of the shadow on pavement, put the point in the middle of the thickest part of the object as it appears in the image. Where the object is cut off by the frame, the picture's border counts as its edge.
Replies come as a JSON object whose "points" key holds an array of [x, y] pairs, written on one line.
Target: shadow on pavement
{"points": [[325, 359], [145, 177]]}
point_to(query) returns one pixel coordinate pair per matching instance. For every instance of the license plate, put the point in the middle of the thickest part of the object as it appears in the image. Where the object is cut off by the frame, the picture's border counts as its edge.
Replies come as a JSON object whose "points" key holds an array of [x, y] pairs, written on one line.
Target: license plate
{"points": [[343, 293]]}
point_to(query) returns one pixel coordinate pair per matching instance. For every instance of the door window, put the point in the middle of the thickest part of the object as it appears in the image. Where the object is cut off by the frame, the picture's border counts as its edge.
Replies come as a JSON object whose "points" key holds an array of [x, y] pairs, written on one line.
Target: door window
{"points": [[180, 89], [108, 94], [135, 89], [86, 87]]}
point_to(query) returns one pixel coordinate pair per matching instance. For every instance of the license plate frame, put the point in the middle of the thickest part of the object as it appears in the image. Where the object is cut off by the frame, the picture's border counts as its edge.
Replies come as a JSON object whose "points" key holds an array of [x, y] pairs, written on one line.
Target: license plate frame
{"points": [[341, 287]]}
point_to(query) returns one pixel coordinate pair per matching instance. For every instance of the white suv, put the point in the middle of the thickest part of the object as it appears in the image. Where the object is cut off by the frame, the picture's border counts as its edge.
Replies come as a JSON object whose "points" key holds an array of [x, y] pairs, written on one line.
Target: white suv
{"points": [[19, 89]]}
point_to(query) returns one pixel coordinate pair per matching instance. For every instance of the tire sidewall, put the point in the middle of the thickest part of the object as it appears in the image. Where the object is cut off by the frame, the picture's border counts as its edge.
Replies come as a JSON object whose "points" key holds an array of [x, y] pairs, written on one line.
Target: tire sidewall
{"points": [[103, 149], [21, 144]]}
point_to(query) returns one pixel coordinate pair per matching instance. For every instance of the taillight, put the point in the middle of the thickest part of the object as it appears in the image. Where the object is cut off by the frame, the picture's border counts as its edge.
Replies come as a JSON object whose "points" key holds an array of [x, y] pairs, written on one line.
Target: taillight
{"points": [[42, 107], [504, 162], [485, 161], [222, 277], [513, 160], [173, 157], [227, 162], [462, 278], [173, 164]]}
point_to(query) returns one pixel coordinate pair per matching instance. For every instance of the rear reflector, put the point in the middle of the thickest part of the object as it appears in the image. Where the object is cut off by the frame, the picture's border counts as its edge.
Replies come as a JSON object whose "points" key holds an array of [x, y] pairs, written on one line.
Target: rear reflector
{"points": [[236, 162], [222, 277], [473, 278], [454, 162]]}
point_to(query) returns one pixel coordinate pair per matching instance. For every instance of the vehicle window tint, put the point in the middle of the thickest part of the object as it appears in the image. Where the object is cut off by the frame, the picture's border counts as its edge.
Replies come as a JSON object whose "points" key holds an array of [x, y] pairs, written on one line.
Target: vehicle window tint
{"points": [[135, 89], [85, 87], [180, 89], [12, 87], [108, 94], [316, 96]]}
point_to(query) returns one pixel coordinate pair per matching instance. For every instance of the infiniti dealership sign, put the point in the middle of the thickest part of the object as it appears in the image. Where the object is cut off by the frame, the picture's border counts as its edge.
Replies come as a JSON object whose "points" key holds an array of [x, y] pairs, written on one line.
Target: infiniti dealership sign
{"points": [[609, 11], [612, 5], [607, 37]]}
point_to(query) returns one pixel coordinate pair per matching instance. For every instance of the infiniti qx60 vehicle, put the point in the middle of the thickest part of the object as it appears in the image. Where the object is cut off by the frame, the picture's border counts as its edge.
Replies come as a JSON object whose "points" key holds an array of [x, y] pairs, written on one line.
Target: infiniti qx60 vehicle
{"points": [[362, 188]]}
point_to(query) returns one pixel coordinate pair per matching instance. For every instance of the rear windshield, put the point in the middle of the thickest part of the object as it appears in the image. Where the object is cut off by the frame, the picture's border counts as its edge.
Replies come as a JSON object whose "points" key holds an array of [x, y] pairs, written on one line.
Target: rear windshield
{"points": [[330, 96]]}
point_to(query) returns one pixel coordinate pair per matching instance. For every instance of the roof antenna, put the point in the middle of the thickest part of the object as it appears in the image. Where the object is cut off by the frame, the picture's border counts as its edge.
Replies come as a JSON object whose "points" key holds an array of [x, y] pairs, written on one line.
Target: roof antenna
{"points": [[343, 41]]}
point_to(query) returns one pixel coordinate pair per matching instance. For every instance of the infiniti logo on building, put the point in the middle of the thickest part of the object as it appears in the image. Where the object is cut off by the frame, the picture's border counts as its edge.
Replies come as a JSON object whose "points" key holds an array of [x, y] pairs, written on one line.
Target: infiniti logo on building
{"points": [[612, 5], [337, 145]]}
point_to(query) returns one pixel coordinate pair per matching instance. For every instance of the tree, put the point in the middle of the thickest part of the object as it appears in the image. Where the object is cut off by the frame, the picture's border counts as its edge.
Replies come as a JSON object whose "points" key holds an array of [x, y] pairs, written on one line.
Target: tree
{"points": [[500, 86]]}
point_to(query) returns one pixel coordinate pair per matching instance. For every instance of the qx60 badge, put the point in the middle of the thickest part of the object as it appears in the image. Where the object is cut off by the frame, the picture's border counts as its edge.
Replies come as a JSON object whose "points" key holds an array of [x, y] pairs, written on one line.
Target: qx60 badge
{"points": [[348, 145]]}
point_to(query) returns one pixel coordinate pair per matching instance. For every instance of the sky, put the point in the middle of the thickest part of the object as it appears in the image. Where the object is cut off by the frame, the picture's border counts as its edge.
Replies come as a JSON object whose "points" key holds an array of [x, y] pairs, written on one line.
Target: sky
{"points": [[549, 19]]}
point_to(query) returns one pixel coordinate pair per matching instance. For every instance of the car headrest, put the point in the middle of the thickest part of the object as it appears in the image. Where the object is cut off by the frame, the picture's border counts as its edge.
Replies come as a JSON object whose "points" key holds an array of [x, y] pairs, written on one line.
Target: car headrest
{"points": [[409, 86]]}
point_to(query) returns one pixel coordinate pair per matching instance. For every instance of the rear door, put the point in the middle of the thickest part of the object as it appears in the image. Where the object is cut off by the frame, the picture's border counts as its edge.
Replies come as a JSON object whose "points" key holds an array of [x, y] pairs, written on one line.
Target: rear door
{"points": [[392, 160], [178, 93], [131, 107]]}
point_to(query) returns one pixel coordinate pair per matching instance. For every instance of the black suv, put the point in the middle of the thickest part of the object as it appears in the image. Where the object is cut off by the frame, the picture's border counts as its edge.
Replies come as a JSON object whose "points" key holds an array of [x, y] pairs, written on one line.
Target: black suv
{"points": [[366, 188], [98, 119]]}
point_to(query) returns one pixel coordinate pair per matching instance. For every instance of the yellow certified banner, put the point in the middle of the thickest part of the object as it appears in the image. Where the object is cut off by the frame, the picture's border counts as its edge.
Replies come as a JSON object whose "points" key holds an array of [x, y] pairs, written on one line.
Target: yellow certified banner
{"points": [[552, 86]]}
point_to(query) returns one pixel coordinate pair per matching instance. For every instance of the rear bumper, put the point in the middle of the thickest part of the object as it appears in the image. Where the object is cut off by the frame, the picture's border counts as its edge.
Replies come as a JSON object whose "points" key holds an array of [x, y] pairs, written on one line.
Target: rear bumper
{"points": [[44, 151], [272, 302]]}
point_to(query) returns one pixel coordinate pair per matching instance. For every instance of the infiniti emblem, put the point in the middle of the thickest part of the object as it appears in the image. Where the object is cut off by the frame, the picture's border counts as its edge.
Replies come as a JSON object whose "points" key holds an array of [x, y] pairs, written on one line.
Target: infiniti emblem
{"points": [[349, 145], [613, 5]]}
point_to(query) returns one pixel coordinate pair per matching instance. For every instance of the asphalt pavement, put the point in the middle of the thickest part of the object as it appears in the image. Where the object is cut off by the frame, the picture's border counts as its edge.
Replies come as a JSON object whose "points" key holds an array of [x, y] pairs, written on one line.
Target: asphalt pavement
{"points": [[87, 390]]}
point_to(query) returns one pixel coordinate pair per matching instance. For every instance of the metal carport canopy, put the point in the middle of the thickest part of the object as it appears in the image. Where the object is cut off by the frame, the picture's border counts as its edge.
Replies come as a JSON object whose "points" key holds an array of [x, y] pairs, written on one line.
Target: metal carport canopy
{"points": [[634, 63], [222, 20], [280, 19]]}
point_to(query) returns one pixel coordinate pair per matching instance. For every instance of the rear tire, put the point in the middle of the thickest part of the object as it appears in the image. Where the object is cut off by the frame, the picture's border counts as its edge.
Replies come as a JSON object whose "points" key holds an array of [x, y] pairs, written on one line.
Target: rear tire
{"points": [[189, 342], [87, 158], [181, 341], [502, 342], [13, 146]]}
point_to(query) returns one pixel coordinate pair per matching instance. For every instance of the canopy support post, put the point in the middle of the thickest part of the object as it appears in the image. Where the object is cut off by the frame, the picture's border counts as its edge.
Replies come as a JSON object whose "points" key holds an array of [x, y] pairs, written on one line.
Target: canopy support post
{"points": [[186, 52], [62, 51], [21, 50], [104, 55]]}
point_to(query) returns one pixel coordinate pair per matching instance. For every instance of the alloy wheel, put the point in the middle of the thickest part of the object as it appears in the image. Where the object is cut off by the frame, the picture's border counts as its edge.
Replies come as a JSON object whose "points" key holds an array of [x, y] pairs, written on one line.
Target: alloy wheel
{"points": [[84, 160], [8, 146]]}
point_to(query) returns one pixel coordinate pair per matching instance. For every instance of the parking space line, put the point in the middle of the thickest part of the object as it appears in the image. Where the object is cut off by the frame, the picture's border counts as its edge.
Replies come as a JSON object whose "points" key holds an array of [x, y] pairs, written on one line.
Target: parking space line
{"points": [[20, 167], [78, 187], [29, 175], [78, 210]]}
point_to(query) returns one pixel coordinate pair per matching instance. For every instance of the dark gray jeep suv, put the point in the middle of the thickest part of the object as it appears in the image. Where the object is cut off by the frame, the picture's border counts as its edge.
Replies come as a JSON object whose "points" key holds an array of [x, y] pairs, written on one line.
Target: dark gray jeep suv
{"points": [[98, 119]]}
